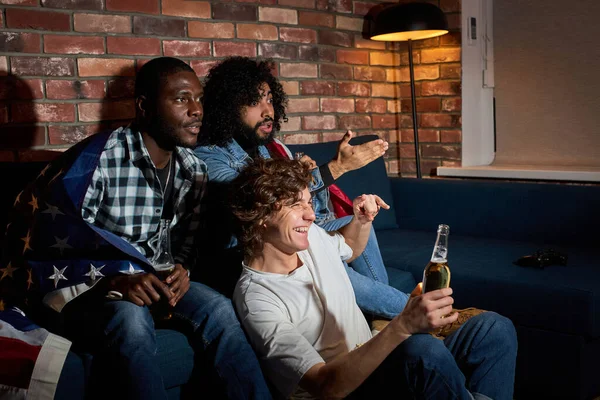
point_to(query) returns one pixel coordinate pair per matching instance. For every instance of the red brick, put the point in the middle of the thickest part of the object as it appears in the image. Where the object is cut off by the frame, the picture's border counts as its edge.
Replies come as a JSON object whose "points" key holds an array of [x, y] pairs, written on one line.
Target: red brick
{"points": [[384, 90], [319, 88], [21, 2], [341, 6], [451, 136], [316, 19], [451, 39], [425, 104], [69, 134], [42, 112], [354, 89], [186, 8], [349, 24], [105, 67], [224, 49], [67, 44], [452, 104], [107, 110], [298, 3], [278, 15], [450, 71], [455, 164], [316, 54], [362, 8], [440, 55], [355, 122], [425, 135], [318, 122], [34, 19], [278, 50], [121, 87], [102, 23], [298, 70], [301, 138], [440, 120], [335, 38], [133, 46], [352, 57], [7, 155], [22, 136], [291, 88], [300, 35], [341, 72], [158, 26], [337, 105], [369, 106], [296, 105], [293, 124], [219, 30], [369, 74], [234, 12], [381, 58], [201, 67], [361, 43], [44, 66], [385, 121], [142, 6], [450, 5], [440, 88], [12, 87], [256, 32], [19, 42], [65, 90], [73, 4], [186, 48], [333, 136], [440, 151]]}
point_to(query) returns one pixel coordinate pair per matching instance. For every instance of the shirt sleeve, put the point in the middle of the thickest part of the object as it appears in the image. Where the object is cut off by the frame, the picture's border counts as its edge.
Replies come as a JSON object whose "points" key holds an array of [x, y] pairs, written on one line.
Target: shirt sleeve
{"points": [[285, 354], [94, 196]]}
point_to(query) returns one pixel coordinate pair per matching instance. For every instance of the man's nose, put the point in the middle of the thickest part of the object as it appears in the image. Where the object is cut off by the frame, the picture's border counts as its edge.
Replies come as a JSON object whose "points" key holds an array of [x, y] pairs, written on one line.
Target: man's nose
{"points": [[195, 109], [309, 213], [267, 110]]}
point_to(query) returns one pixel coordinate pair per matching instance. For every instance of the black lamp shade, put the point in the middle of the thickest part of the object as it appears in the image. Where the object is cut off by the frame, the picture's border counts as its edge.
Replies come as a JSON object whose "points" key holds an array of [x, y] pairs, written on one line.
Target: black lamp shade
{"points": [[414, 21]]}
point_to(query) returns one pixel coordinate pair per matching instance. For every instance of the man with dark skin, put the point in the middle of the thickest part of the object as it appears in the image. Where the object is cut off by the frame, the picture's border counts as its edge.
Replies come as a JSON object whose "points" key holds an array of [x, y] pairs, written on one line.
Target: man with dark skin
{"points": [[122, 186]]}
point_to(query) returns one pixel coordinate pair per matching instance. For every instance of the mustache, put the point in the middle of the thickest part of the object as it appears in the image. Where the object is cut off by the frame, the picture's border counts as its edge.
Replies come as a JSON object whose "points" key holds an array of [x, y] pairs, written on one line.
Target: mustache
{"points": [[264, 121]]}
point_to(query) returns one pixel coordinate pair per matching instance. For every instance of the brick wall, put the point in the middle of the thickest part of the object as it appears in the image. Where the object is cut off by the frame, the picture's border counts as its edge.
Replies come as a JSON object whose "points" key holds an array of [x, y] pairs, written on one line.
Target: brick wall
{"points": [[67, 69]]}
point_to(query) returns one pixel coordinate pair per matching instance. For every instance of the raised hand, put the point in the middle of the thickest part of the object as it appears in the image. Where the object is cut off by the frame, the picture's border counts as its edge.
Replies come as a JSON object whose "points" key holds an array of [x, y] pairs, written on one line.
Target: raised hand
{"points": [[349, 158], [367, 206]]}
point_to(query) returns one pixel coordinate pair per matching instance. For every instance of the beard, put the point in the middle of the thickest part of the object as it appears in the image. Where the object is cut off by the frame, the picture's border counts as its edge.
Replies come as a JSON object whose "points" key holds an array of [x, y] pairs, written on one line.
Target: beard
{"points": [[248, 137]]}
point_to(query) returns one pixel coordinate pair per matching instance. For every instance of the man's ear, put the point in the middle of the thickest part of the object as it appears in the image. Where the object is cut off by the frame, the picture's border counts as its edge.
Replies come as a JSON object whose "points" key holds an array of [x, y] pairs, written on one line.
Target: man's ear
{"points": [[141, 106]]}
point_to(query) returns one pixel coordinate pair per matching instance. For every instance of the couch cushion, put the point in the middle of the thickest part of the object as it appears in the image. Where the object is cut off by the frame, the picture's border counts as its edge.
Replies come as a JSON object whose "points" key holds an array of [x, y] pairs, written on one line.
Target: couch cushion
{"points": [[371, 179], [557, 298]]}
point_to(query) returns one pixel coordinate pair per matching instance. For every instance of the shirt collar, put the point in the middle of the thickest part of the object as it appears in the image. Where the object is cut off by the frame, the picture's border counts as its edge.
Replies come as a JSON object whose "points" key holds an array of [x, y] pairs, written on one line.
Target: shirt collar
{"points": [[240, 154]]}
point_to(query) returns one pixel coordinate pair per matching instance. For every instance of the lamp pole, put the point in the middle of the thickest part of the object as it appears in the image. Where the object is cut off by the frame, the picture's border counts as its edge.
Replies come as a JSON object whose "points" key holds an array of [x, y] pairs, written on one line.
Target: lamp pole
{"points": [[414, 108]]}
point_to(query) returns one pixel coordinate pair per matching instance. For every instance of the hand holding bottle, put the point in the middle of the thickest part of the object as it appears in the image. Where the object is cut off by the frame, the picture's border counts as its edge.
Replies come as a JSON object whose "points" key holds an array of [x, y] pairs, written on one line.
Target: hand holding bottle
{"points": [[179, 283]]}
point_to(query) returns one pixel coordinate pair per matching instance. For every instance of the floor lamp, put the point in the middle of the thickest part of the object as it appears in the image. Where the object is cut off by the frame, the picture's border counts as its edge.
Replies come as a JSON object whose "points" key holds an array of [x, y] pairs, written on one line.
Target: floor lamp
{"points": [[408, 22]]}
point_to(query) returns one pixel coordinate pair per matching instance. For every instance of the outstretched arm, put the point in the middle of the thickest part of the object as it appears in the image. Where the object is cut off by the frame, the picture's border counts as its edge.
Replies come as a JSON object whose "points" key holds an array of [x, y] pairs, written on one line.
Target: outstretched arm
{"points": [[349, 158]]}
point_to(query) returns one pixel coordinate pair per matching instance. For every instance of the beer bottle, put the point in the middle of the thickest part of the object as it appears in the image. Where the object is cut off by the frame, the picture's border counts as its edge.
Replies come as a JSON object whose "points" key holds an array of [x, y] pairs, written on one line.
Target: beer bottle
{"points": [[437, 273]]}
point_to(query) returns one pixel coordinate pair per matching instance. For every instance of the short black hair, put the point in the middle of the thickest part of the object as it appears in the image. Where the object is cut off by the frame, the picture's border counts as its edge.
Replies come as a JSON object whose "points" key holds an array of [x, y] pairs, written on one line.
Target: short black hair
{"points": [[153, 74], [231, 85]]}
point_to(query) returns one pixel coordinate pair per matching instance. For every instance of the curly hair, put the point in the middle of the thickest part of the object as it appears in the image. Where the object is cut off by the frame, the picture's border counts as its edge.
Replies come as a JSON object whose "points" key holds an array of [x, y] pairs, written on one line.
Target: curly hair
{"points": [[259, 192], [228, 87]]}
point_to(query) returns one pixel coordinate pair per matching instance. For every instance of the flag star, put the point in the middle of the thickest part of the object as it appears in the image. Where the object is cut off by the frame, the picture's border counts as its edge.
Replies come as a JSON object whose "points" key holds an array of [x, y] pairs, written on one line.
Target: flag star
{"points": [[94, 272], [132, 270], [53, 210], [58, 275], [61, 244], [18, 198], [27, 239], [29, 278], [33, 203], [8, 271]]}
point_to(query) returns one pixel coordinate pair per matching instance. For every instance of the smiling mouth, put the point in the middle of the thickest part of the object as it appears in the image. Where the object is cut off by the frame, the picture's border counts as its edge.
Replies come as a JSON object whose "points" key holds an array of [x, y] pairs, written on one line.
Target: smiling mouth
{"points": [[194, 128], [302, 229]]}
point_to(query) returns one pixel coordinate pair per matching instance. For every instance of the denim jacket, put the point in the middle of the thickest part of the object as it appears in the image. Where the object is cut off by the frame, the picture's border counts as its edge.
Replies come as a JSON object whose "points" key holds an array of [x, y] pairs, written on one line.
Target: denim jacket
{"points": [[225, 163]]}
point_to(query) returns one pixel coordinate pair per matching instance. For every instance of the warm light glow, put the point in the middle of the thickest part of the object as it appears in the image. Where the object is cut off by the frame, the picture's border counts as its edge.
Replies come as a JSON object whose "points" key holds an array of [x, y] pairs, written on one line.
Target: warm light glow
{"points": [[412, 35]]}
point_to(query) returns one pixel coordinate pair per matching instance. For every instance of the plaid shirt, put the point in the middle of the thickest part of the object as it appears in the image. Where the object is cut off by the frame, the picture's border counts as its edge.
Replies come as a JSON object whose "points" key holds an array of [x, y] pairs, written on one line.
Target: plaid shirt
{"points": [[125, 196]]}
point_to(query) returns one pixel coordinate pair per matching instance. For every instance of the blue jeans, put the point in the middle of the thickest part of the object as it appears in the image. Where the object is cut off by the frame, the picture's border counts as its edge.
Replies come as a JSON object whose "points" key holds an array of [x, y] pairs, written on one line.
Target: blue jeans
{"points": [[369, 277], [477, 361], [125, 338]]}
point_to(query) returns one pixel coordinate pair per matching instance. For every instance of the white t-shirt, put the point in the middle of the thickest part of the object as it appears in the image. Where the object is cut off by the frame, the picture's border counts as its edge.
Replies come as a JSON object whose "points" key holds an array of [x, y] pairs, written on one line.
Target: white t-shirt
{"points": [[304, 318]]}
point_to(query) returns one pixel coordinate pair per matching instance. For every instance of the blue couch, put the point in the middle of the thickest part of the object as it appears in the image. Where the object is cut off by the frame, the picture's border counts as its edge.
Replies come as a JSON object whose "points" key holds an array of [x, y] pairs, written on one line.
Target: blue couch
{"points": [[556, 310]]}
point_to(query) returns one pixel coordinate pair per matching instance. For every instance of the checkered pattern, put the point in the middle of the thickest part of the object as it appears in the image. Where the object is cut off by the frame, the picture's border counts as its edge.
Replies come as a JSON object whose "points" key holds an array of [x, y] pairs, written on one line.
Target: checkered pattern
{"points": [[125, 196]]}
